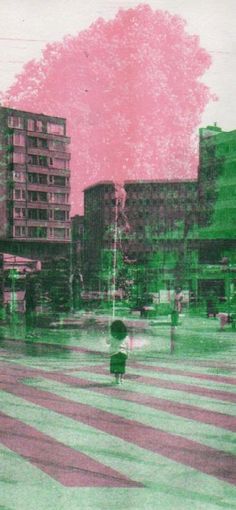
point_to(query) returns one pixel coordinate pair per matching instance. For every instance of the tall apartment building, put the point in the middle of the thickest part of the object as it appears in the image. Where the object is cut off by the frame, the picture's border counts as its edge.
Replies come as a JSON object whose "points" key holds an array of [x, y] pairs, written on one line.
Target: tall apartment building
{"points": [[34, 177]]}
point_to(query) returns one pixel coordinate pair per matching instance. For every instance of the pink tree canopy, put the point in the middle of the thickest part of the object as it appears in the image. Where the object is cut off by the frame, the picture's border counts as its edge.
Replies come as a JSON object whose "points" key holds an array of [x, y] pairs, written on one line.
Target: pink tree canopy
{"points": [[130, 91]]}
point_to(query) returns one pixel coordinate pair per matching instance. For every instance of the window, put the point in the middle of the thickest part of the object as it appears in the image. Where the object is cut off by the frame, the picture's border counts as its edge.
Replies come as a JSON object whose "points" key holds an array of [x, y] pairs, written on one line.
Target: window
{"points": [[30, 125], [42, 178], [51, 179], [17, 194], [23, 194], [37, 160], [19, 176], [57, 145], [32, 178], [19, 157], [59, 215], [17, 231], [59, 198], [32, 196], [32, 141], [37, 214], [37, 232], [32, 159], [20, 231], [32, 214], [42, 196], [59, 233], [43, 161], [39, 125], [17, 212], [42, 214], [42, 143], [15, 122], [18, 139], [55, 129], [60, 163], [59, 181], [37, 178]]}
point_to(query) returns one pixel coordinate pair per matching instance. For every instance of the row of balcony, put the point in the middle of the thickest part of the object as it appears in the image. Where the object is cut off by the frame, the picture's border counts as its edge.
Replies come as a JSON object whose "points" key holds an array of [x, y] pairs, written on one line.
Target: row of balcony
{"points": [[37, 126], [41, 214], [37, 146], [41, 232], [41, 179], [21, 194], [39, 160], [25, 169]]}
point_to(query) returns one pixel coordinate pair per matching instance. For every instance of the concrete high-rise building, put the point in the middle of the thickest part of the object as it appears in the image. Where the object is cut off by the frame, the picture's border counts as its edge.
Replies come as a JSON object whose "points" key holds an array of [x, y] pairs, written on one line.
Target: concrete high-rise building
{"points": [[34, 177]]}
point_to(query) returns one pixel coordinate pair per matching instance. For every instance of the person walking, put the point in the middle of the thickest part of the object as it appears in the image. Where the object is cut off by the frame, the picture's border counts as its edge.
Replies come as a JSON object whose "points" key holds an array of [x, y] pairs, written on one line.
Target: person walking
{"points": [[119, 348], [179, 300]]}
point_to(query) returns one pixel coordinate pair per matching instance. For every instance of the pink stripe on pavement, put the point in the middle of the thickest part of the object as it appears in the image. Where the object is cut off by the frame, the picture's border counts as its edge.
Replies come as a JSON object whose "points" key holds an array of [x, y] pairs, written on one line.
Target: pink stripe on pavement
{"points": [[189, 388], [208, 460], [185, 373], [188, 411], [69, 467]]}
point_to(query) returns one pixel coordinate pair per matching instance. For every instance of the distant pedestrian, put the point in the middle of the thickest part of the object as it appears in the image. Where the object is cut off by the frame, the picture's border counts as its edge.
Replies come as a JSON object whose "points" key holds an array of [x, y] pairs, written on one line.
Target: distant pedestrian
{"points": [[224, 319], [179, 300], [119, 348]]}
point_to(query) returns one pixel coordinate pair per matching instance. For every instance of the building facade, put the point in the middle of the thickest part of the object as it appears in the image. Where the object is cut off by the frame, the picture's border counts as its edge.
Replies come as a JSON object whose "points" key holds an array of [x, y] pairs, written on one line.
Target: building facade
{"points": [[147, 222], [34, 177], [169, 234], [217, 213]]}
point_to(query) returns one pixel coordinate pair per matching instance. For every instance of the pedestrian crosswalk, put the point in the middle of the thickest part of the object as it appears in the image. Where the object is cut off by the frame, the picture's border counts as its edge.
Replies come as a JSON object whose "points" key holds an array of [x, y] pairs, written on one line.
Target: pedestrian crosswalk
{"points": [[169, 428]]}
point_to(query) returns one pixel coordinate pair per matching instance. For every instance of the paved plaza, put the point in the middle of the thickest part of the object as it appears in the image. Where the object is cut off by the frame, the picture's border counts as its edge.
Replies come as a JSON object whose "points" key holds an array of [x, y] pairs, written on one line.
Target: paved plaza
{"points": [[165, 439]]}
